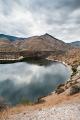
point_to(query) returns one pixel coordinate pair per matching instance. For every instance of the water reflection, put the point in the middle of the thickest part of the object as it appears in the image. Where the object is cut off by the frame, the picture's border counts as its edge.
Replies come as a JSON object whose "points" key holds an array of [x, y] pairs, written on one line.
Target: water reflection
{"points": [[20, 81]]}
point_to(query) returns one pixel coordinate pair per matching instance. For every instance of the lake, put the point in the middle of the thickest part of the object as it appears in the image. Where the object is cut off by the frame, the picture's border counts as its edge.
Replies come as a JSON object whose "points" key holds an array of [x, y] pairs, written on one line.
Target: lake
{"points": [[28, 81]]}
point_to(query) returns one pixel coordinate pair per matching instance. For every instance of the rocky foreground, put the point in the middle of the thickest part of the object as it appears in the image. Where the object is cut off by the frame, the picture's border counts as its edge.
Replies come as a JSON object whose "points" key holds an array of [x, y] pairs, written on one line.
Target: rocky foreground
{"points": [[64, 105], [63, 112]]}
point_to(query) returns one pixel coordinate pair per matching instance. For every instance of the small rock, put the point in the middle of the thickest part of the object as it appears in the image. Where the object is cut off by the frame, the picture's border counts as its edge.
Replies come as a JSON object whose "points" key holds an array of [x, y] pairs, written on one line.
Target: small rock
{"points": [[60, 90]]}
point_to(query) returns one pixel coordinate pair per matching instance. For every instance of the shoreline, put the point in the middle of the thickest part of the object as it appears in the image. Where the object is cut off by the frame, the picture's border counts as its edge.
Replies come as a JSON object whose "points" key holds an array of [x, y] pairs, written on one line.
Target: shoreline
{"points": [[55, 105]]}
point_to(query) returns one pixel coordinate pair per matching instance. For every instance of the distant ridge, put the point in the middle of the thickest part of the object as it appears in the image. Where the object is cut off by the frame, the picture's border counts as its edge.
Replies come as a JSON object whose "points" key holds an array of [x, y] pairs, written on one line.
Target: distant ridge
{"points": [[75, 44], [8, 37]]}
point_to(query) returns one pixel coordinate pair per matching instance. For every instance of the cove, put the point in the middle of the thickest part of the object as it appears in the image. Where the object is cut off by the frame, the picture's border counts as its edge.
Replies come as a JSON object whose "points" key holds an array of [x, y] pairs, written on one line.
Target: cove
{"points": [[28, 81]]}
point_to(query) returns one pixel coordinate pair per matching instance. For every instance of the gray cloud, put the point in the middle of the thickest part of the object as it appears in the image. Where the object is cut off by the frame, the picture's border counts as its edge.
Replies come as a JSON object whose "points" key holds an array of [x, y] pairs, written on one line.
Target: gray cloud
{"points": [[25, 18]]}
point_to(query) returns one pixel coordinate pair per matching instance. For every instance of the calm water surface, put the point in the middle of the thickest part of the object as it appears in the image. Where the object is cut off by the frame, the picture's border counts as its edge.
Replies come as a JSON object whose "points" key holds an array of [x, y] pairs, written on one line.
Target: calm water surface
{"points": [[21, 81]]}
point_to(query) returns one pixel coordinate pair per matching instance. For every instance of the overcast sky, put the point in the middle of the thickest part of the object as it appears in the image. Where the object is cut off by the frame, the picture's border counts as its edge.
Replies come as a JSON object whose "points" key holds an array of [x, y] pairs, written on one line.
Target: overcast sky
{"points": [[60, 18]]}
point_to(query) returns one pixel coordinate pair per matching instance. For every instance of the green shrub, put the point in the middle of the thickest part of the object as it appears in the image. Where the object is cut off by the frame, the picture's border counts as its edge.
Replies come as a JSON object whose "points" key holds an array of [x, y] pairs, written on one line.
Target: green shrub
{"points": [[26, 102]]}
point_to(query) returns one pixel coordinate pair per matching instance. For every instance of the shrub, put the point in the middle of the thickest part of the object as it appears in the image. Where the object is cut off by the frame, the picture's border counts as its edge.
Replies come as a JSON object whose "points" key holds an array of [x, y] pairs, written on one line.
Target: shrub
{"points": [[26, 102], [74, 69]]}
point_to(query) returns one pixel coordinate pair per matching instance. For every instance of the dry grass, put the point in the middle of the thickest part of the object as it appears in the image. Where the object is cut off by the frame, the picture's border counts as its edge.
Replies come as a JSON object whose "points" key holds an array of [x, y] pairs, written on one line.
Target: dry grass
{"points": [[49, 101], [4, 115], [4, 112]]}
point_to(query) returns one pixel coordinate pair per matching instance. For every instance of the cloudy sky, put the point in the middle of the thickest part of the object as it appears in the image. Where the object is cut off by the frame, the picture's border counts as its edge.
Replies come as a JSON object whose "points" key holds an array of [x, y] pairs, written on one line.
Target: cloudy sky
{"points": [[60, 18]]}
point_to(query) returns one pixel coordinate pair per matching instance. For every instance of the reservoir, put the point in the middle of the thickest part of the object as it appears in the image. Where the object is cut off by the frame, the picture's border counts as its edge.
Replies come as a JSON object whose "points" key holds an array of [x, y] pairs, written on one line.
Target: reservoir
{"points": [[28, 81]]}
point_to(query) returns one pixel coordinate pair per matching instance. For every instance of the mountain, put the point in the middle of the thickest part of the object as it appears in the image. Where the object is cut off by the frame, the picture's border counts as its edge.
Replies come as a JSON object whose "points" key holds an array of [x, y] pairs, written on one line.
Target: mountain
{"points": [[44, 42], [7, 37], [39, 46], [6, 43], [75, 44]]}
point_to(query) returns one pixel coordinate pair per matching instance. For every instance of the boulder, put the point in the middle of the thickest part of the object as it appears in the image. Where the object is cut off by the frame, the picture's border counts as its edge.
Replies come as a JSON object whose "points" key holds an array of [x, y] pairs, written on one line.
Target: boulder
{"points": [[73, 90]]}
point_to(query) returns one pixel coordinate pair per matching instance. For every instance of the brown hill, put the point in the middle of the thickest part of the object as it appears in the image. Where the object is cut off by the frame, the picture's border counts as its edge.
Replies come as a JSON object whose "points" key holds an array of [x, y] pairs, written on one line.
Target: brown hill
{"points": [[44, 42], [7, 46], [41, 43]]}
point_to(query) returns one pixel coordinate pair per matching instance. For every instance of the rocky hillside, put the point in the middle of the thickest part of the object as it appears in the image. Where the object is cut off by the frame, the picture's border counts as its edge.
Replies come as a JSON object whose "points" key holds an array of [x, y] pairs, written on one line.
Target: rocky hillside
{"points": [[71, 56], [44, 45], [6, 46], [44, 42]]}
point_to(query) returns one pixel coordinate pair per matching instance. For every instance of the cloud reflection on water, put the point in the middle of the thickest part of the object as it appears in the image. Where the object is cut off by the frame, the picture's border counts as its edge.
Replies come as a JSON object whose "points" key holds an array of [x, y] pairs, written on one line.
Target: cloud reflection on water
{"points": [[28, 81]]}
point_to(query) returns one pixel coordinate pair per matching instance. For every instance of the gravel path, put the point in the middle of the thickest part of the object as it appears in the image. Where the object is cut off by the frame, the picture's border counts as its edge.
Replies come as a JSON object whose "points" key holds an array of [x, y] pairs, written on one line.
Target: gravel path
{"points": [[63, 112]]}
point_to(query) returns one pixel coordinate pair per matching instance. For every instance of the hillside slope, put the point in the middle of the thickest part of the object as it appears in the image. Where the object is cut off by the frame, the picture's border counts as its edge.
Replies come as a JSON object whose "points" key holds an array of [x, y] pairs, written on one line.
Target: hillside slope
{"points": [[43, 46], [44, 42]]}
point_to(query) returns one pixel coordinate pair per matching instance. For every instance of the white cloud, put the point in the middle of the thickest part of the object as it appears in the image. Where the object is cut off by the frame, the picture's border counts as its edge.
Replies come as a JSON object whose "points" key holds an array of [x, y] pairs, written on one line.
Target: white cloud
{"points": [[26, 18]]}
